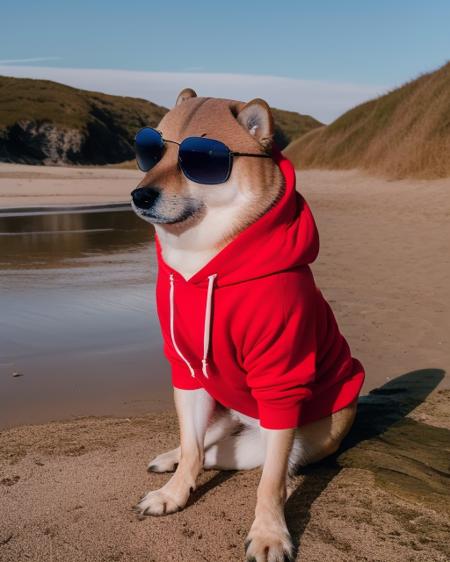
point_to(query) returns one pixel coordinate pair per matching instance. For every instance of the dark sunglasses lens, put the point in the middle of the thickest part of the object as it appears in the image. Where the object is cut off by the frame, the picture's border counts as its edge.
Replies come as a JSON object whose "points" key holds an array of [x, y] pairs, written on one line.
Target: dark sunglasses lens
{"points": [[149, 147], [205, 160]]}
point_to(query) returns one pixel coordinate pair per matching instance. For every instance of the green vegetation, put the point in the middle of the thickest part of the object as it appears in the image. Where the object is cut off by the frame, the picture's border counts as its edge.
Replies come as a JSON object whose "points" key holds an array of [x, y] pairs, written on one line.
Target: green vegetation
{"points": [[404, 133], [23, 99]]}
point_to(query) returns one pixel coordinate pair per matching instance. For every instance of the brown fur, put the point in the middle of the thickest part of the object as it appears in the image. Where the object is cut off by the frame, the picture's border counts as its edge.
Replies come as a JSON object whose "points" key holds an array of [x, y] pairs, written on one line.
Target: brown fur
{"points": [[217, 119]]}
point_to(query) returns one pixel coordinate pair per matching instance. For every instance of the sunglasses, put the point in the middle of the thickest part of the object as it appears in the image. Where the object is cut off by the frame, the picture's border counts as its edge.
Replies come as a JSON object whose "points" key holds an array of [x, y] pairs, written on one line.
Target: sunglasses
{"points": [[201, 159]]}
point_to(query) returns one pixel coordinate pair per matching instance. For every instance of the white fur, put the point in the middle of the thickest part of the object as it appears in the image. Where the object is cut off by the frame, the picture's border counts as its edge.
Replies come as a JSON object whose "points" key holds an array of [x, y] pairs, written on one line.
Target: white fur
{"points": [[246, 449], [189, 251], [233, 441]]}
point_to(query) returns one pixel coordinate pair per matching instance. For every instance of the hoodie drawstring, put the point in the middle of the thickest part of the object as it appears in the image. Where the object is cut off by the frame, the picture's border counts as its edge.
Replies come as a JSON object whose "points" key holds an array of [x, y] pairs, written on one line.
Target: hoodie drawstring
{"points": [[172, 335], [207, 325]]}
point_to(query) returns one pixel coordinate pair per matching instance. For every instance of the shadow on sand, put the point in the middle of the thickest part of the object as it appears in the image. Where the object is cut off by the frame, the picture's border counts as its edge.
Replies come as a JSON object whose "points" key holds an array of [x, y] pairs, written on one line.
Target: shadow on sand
{"points": [[407, 457]]}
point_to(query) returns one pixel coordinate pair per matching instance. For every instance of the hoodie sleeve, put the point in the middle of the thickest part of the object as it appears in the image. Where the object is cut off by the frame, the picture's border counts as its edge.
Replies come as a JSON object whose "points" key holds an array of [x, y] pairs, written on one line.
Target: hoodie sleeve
{"points": [[181, 376], [280, 356]]}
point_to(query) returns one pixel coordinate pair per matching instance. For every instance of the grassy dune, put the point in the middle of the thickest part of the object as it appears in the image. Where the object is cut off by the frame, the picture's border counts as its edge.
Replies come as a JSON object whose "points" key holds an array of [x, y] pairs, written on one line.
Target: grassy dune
{"points": [[404, 133]]}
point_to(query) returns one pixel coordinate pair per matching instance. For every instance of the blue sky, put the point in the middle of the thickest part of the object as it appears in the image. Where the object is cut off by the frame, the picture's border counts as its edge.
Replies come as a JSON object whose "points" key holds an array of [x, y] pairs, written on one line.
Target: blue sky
{"points": [[372, 45]]}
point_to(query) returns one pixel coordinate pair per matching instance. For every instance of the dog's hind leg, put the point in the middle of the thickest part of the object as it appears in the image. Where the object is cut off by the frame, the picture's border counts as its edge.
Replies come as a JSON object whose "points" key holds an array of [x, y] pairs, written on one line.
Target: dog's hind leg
{"points": [[222, 424], [317, 440]]}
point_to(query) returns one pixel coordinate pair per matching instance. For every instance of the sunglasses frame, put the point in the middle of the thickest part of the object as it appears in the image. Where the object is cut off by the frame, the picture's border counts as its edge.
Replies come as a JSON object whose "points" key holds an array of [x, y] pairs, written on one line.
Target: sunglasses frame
{"points": [[231, 155]]}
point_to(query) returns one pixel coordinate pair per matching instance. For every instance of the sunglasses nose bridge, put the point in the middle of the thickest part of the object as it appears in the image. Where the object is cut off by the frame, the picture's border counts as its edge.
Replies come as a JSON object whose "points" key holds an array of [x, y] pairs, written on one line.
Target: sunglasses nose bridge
{"points": [[171, 146]]}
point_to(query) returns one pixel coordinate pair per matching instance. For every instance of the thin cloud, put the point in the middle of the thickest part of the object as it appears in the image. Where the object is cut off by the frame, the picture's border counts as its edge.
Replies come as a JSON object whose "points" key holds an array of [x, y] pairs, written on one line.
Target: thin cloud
{"points": [[193, 69], [33, 59], [324, 100]]}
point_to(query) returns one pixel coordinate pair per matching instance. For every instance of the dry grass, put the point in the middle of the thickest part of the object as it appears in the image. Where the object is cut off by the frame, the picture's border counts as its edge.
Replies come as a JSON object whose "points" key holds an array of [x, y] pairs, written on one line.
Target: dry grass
{"points": [[404, 133], [290, 125]]}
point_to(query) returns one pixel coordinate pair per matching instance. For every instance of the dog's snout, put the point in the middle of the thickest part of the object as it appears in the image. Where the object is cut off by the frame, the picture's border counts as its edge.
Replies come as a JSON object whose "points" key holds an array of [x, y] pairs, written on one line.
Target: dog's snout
{"points": [[145, 197]]}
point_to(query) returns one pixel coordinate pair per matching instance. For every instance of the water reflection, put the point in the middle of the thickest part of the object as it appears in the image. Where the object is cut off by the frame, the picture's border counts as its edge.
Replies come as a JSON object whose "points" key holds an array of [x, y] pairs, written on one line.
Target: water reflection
{"points": [[50, 240], [78, 317]]}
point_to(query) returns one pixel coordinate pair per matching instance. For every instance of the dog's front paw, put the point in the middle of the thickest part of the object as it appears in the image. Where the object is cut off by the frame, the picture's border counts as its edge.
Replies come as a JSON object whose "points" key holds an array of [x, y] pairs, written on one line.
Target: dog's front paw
{"points": [[157, 503], [268, 541]]}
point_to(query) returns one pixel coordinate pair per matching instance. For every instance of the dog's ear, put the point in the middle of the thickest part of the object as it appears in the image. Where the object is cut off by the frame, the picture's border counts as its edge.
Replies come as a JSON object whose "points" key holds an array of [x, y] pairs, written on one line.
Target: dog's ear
{"points": [[185, 95], [256, 118]]}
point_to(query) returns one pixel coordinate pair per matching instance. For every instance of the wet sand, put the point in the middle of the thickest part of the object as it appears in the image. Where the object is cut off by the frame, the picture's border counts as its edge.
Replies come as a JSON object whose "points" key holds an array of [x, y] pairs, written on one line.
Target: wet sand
{"points": [[68, 487], [78, 318]]}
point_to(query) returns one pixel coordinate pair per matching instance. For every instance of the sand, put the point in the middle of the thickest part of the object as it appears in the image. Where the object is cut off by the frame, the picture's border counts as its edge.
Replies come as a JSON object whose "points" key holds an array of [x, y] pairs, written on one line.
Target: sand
{"points": [[28, 186], [67, 488]]}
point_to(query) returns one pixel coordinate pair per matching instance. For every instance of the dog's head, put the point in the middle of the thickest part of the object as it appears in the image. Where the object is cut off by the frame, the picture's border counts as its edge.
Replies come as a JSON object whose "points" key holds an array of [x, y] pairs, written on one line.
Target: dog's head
{"points": [[175, 204]]}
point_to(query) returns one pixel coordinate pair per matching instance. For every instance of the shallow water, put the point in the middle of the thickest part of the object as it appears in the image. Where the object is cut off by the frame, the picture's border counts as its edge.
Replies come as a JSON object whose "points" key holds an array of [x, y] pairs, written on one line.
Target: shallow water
{"points": [[78, 318]]}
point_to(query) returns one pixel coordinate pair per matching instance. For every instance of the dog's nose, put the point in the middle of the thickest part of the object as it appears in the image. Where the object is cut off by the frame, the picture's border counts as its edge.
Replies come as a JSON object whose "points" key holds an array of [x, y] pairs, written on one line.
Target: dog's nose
{"points": [[144, 197]]}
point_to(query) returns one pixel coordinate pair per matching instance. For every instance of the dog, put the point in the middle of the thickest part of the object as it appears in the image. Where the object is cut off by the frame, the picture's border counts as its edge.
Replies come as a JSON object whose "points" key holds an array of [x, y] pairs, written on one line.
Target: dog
{"points": [[276, 386]]}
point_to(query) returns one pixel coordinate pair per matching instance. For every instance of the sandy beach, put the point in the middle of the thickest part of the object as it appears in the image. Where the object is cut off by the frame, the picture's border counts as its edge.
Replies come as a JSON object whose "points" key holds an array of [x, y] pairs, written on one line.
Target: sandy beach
{"points": [[67, 487], [28, 186]]}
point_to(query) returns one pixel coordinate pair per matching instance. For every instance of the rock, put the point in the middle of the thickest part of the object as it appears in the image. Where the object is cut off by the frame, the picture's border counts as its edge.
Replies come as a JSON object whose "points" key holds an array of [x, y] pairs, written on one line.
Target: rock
{"points": [[407, 457]]}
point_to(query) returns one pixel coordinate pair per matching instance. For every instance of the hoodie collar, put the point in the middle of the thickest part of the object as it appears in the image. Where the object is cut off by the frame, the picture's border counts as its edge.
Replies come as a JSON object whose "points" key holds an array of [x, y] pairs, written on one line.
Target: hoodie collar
{"points": [[283, 238]]}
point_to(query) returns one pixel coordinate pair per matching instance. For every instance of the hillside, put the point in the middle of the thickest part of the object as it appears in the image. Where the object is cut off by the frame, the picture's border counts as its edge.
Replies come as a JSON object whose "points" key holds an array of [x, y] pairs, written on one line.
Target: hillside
{"points": [[44, 122], [404, 133], [290, 125]]}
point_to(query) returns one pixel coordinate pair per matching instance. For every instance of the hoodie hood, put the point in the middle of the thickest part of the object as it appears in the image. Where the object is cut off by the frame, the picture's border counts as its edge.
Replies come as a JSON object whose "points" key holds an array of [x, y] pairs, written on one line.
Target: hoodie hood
{"points": [[285, 237]]}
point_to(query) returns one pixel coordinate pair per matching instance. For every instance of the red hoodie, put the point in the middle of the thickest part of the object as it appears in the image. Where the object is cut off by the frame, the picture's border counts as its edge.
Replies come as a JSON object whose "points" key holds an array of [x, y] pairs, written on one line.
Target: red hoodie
{"points": [[252, 328]]}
